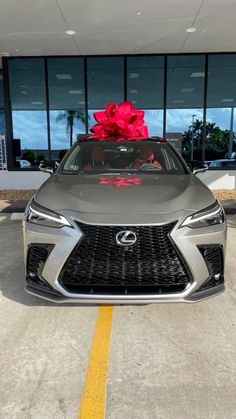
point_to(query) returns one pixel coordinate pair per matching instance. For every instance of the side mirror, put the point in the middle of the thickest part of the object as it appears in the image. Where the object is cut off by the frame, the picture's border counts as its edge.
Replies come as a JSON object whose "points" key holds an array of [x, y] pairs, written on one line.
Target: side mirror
{"points": [[197, 167], [48, 166]]}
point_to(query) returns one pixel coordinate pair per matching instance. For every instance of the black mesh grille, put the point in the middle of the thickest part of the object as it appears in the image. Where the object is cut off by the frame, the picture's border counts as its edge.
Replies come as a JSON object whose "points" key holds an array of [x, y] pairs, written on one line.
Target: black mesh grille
{"points": [[213, 256], [100, 263], [37, 256]]}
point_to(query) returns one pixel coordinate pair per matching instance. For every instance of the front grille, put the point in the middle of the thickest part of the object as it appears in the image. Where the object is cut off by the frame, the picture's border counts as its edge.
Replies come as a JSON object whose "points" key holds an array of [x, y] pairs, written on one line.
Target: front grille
{"points": [[151, 265], [36, 258], [213, 256]]}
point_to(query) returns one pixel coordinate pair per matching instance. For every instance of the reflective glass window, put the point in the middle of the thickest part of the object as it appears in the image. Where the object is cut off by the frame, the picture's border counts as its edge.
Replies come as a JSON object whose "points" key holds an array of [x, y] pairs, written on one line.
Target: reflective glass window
{"points": [[185, 96], [28, 102], [2, 116], [145, 88], [66, 102], [105, 83], [221, 114]]}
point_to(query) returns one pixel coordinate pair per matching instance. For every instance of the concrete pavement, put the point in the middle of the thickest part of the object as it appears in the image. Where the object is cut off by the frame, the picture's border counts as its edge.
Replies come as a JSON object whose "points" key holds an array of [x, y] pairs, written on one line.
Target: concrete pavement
{"points": [[166, 361]]}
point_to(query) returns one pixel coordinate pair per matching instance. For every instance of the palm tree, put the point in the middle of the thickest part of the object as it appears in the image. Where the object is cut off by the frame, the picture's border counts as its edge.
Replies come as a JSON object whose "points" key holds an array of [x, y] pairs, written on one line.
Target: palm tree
{"points": [[71, 116]]}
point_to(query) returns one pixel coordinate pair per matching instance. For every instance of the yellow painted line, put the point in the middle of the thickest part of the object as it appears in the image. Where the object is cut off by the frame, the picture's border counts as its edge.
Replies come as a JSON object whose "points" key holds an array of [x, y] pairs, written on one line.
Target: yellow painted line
{"points": [[94, 394]]}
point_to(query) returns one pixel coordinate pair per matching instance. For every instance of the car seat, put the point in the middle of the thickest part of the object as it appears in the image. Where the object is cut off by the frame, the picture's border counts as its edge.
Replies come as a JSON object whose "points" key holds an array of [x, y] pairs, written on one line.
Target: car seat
{"points": [[146, 156], [98, 160]]}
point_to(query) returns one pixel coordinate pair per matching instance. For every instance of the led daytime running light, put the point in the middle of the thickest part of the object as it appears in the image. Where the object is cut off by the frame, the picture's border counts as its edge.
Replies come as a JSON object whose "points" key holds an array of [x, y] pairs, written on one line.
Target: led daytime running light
{"points": [[201, 217], [60, 220]]}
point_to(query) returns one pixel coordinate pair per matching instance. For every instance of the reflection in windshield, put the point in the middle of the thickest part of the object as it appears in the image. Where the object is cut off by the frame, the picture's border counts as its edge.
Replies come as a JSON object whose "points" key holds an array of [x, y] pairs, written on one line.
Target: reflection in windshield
{"points": [[111, 157]]}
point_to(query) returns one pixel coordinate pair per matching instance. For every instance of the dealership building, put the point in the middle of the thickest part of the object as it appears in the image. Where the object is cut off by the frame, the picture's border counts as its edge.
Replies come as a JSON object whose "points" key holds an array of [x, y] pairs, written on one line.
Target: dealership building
{"points": [[177, 65]]}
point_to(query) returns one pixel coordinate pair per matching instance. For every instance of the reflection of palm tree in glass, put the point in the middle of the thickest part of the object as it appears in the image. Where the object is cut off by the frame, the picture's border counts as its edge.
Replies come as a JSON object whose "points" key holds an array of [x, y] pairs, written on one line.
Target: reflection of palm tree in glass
{"points": [[71, 117], [217, 140]]}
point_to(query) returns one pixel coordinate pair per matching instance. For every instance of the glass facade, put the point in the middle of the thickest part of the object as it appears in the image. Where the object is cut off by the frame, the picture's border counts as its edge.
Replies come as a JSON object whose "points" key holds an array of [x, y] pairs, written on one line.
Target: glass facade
{"points": [[66, 102], [105, 78], [2, 115], [188, 98], [28, 105], [221, 102], [185, 98], [145, 89]]}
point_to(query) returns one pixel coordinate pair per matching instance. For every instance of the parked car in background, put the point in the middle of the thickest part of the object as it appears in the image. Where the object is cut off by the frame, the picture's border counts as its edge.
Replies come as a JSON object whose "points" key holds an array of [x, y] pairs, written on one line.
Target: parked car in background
{"points": [[208, 162], [223, 164], [24, 164]]}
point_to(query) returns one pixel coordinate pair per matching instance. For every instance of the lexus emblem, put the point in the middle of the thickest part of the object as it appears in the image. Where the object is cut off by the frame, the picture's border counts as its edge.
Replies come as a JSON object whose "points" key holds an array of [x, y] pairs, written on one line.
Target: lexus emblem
{"points": [[126, 238]]}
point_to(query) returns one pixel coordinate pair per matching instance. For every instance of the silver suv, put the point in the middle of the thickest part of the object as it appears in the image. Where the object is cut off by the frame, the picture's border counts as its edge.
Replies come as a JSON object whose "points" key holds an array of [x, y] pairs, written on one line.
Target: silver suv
{"points": [[124, 222]]}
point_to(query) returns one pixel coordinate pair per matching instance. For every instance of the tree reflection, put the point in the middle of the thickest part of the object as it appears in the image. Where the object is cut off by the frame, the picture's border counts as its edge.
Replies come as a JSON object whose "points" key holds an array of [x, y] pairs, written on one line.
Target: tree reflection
{"points": [[217, 141]]}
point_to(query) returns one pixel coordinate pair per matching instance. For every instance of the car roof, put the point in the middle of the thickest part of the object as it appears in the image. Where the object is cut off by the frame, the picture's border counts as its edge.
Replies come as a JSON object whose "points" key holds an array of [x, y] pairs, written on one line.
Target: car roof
{"points": [[86, 137]]}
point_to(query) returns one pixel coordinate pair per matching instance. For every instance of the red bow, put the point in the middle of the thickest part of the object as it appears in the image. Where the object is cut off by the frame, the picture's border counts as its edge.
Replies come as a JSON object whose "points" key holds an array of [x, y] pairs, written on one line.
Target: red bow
{"points": [[120, 122], [117, 181]]}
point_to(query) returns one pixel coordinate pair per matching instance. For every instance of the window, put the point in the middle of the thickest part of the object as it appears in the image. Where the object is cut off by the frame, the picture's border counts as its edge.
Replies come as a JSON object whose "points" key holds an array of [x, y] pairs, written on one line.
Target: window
{"points": [[105, 83], [27, 90], [59, 107], [66, 102], [2, 116], [185, 95], [145, 89], [116, 157], [221, 115]]}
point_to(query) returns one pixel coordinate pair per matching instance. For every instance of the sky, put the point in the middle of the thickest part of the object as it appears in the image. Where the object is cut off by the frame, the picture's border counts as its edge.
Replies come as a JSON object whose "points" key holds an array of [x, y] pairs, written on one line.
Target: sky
{"points": [[31, 126]]}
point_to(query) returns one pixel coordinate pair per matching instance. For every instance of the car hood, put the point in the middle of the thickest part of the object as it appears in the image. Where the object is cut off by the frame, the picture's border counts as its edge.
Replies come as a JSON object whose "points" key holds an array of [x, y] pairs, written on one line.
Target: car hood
{"points": [[141, 194]]}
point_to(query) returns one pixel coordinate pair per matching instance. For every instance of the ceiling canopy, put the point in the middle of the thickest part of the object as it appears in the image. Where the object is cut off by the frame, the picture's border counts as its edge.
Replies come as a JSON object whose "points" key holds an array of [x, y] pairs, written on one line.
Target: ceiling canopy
{"points": [[32, 27]]}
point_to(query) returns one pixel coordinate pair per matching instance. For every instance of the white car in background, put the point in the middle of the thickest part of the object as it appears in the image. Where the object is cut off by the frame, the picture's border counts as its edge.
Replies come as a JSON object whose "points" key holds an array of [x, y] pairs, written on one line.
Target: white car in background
{"points": [[223, 164], [24, 164]]}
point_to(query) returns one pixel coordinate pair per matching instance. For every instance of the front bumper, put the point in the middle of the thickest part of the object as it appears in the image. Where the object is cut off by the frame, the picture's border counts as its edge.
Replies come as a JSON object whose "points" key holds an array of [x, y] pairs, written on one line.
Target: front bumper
{"points": [[84, 299], [65, 239]]}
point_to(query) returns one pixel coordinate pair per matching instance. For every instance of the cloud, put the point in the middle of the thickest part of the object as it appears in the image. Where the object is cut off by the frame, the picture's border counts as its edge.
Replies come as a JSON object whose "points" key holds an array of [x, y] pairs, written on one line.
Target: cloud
{"points": [[179, 120], [31, 126]]}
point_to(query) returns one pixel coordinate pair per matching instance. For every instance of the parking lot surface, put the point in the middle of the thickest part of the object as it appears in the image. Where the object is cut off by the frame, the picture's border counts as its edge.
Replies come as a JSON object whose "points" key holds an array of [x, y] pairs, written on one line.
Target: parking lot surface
{"points": [[166, 361]]}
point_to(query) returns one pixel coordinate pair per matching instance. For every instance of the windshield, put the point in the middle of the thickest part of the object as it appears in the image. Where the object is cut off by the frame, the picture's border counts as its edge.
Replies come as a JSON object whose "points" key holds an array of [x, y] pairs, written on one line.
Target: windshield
{"points": [[109, 157]]}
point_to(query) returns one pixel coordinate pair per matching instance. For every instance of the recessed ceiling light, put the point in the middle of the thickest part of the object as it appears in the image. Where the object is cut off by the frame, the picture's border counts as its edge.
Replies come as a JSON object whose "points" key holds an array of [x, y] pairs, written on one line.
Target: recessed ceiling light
{"points": [[228, 100], [134, 75], [139, 13], [178, 101], [191, 29], [187, 90], [17, 50], [198, 74], [37, 103], [24, 92], [63, 76], [133, 91], [5, 54], [70, 32], [75, 92], [81, 102]]}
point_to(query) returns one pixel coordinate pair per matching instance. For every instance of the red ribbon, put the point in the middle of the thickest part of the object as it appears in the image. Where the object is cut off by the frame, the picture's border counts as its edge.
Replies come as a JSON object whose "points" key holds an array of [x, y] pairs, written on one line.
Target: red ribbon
{"points": [[117, 181], [120, 122]]}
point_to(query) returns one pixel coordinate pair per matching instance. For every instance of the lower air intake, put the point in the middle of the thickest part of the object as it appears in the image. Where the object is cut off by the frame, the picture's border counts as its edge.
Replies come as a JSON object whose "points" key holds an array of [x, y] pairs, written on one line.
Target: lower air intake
{"points": [[36, 257], [213, 256]]}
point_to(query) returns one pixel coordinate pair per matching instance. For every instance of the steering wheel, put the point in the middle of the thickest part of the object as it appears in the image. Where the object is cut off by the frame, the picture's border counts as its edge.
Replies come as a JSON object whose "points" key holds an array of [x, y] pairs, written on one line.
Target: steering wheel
{"points": [[150, 166]]}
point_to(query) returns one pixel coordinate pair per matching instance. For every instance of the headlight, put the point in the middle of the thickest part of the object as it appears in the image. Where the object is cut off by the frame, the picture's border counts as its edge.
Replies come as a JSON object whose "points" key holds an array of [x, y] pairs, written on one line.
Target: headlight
{"points": [[210, 216], [42, 216]]}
